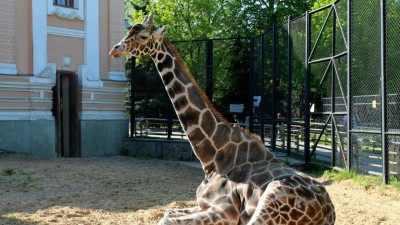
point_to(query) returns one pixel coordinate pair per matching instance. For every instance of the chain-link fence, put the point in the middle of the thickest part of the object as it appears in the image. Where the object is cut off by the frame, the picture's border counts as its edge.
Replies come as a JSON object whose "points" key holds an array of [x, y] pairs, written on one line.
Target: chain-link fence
{"points": [[392, 129], [304, 85], [323, 87], [338, 69], [366, 153], [374, 88], [220, 68]]}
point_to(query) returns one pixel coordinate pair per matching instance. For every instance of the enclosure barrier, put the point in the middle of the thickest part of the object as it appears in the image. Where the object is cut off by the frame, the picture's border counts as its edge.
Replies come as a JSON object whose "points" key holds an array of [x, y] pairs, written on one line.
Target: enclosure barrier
{"points": [[323, 87]]}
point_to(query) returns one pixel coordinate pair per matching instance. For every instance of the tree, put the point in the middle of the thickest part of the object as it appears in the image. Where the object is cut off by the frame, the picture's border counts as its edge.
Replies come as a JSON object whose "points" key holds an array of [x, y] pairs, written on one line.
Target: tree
{"points": [[207, 19]]}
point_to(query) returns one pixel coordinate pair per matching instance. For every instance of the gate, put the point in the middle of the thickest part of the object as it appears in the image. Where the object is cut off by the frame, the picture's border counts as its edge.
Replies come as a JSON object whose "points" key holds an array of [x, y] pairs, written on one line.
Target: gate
{"points": [[300, 72], [326, 82]]}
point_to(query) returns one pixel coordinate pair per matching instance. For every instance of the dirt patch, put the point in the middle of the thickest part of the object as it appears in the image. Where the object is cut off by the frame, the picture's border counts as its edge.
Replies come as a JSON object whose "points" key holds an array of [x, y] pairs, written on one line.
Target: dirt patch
{"points": [[124, 190]]}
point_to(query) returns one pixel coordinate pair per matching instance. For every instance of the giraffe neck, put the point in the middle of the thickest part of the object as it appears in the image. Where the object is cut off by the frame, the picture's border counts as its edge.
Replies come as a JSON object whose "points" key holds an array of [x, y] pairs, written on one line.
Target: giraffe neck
{"points": [[201, 122]]}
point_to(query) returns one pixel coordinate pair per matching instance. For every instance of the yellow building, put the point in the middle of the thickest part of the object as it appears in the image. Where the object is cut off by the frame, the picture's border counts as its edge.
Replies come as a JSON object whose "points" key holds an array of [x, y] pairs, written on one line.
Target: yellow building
{"points": [[61, 94]]}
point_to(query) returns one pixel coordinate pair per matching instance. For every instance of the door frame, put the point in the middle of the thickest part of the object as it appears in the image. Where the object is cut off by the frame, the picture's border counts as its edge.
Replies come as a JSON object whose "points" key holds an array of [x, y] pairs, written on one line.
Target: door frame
{"points": [[67, 129]]}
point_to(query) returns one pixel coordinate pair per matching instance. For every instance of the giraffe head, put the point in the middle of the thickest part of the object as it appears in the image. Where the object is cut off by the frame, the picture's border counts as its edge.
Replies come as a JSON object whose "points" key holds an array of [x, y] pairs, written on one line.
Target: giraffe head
{"points": [[142, 39]]}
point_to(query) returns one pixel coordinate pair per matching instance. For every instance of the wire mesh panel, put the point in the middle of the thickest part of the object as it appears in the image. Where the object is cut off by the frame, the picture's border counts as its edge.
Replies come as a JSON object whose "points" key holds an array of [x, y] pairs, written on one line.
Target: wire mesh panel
{"points": [[321, 82], [394, 155], [146, 105], [153, 108], [276, 88], [340, 9], [321, 33], [393, 66], [268, 86], [366, 64], [328, 83], [154, 114], [257, 86], [231, 76], [281, 89], [393, 87], [366, 152], [297, 32], [297, 92], [194, 56]]}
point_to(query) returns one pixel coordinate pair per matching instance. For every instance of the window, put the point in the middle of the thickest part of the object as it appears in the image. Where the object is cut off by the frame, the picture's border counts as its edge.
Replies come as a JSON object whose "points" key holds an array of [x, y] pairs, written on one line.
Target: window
{"points": [[66, 9], [67, 3]]}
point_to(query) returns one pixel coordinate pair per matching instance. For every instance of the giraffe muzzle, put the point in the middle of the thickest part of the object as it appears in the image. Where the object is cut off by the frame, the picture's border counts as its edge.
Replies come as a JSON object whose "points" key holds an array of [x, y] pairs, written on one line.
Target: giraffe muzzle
{"points": [[116, 51]]}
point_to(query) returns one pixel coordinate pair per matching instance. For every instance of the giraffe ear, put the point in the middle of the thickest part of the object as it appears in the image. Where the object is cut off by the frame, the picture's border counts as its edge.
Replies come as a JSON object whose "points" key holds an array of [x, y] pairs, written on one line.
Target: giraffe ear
{"points": [[148, 20], [145, 19], [161, 31]]}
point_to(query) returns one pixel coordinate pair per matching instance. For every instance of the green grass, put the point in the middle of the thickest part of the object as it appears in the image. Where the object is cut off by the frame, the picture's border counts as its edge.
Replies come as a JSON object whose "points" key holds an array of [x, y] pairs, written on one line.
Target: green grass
{"points": [[365, 181], [21, 172], [30, 179], [9, 171], [287, 161], [395, 182], [300, 156], [14, 218], [313, 169]]}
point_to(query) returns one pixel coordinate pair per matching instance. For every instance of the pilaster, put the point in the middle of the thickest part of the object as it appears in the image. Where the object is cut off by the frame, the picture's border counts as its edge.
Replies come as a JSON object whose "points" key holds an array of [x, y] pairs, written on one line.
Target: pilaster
{"points": [[89, 74]]}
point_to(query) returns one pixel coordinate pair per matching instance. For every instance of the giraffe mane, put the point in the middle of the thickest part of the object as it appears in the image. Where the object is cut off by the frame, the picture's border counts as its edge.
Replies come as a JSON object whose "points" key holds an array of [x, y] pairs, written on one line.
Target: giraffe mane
{"points": [[203, 95]]}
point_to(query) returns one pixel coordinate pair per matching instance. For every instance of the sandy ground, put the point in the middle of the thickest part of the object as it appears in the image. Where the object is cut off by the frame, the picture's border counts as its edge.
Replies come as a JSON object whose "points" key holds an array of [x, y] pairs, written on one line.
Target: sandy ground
{"points": [[124, 190]]}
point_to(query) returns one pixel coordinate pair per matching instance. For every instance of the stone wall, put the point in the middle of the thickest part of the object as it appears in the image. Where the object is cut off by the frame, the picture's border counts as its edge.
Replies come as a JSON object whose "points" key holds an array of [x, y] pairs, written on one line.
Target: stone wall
{"points": [[102, 137], [32, 137], [159, 148]]}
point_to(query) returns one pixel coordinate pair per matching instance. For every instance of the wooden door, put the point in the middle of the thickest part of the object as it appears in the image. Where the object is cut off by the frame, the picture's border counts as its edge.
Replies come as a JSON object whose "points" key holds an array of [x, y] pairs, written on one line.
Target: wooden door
{"points": [[65, 110]]}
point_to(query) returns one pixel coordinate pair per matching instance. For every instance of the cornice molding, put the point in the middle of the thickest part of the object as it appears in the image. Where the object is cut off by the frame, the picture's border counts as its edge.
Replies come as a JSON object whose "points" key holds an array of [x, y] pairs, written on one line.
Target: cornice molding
{"points": [[9, 69], [65, 32]]}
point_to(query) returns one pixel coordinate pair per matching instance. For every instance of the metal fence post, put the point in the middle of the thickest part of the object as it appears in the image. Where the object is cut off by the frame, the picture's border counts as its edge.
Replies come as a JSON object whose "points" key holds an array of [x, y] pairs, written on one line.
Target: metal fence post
{"points": [[307, 91], [209, 69], [289, 94], [169, 119], [262, 88], [251, 100], [274, 87], [349, 86], [333, 93], [132, 111], [384, 128]]}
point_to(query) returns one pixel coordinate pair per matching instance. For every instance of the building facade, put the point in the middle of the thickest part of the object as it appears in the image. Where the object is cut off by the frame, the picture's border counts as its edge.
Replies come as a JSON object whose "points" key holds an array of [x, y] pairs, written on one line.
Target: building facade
{"points": [[61, 94]]}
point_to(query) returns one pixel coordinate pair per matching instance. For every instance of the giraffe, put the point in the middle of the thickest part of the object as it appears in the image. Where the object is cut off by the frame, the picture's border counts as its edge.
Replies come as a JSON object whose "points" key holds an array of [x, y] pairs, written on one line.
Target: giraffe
{"points": [[244, 183]]}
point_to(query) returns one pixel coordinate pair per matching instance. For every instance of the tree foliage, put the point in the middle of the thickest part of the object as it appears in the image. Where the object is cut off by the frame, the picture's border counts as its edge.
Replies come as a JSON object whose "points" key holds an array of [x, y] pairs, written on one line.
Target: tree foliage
{"points": [[210, 19], [200, 19]]}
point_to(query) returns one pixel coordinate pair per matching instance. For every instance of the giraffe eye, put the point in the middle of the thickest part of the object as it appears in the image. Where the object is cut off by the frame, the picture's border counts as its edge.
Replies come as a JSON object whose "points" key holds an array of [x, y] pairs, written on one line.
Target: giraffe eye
{"points": [[143, 37]]}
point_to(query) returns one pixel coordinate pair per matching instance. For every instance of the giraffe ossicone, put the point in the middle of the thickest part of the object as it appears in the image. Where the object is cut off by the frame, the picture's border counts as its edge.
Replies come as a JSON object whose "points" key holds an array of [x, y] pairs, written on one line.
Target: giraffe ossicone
{"points": [[244, 183]]}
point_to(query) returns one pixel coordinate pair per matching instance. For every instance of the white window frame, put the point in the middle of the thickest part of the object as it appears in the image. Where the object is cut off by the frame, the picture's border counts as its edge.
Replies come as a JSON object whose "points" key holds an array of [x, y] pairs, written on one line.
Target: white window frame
{"points": [[75, 6], [65, 12]]}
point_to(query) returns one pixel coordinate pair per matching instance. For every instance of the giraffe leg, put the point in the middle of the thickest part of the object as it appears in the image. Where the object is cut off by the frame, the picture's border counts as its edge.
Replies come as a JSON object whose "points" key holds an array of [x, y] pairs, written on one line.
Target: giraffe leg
{"points": [[181, 212], [209, 217], [289, 202]]}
